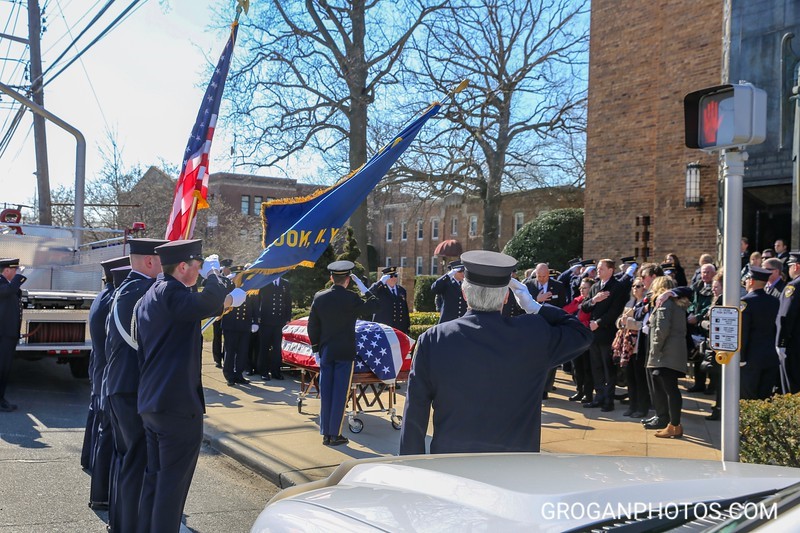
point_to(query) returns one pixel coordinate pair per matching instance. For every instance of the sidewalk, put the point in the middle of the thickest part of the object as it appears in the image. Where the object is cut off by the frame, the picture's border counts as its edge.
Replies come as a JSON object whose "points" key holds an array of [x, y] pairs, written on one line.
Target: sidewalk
{"points": [[259, 425]]}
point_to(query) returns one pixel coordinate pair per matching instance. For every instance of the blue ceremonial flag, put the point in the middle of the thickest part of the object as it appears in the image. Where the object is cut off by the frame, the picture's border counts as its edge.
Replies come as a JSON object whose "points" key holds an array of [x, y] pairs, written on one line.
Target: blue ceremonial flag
{"points": [[297, 230]]}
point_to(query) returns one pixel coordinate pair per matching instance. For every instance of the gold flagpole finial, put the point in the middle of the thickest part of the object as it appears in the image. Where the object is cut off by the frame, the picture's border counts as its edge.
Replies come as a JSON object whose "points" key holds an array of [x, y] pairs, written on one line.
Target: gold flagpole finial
{"points": [[242, 5], [460, 87]]}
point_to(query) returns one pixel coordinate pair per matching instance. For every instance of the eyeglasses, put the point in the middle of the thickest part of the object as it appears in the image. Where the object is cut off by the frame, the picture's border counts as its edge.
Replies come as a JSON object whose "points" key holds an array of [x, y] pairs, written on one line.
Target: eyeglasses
{"points": [[638, 286]]}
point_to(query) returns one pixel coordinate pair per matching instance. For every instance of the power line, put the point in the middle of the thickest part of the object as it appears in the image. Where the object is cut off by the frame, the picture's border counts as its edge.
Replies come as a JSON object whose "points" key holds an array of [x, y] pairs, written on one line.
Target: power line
{"points": [[70, 27]]}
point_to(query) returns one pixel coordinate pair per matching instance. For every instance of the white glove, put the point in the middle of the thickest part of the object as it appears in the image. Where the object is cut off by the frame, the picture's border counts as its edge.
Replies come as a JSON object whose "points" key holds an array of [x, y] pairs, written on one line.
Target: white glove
{"points": [[631, 269], [254, 328], [20, 269], [210, 265], [360, 284], [315, 355], [452, 273], [523, 297], [238, 296], [385, 278], [573, 268], [781, 354], [742, 363]]}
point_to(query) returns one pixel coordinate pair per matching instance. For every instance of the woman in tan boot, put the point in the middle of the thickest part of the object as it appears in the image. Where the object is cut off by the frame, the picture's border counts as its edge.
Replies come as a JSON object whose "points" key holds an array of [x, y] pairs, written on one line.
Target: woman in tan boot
{"points": [[667, 358]]}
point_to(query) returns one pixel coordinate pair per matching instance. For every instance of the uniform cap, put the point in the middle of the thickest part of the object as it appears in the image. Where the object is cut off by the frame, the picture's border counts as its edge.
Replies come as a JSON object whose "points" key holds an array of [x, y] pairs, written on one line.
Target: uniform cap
{"points": [[456, 264], [759, 274], [554, 273], [341, 268], [9, 262], [145, 246], [794, 257], [226, 263], [575, 261], [181, 251], [488, 269], [119, 274], [629, 259], [588, 262], [114, 263], [389, 270]]}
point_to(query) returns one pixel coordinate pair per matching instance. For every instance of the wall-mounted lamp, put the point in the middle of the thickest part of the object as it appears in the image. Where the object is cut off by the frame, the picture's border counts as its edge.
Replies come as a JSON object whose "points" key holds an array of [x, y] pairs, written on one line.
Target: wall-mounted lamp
{"points": [[693, 198]]}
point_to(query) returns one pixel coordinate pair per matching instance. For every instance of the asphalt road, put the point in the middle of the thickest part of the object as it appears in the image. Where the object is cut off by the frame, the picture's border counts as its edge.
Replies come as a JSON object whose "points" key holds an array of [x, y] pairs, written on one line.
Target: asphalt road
{"points": [[42, 485]]}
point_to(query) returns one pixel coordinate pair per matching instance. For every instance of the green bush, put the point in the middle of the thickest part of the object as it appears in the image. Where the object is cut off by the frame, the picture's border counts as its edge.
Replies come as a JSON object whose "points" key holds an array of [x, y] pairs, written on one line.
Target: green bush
{"points": [[419, 329], [423, 318], [423, 297], [553, 237], [770, 431], [300, 312]]}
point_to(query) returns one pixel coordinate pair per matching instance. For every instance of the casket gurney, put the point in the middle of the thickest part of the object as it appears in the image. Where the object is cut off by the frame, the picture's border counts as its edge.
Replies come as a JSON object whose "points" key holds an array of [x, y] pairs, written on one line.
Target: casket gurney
{"points": [[383, 358]]}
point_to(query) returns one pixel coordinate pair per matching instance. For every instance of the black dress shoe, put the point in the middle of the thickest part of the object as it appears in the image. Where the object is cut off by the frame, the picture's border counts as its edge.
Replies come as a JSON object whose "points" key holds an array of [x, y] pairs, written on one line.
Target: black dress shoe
{"points": [[231, 383], [577, 397], [218, 365], [586, 398], [545, 396], [326, 440], [629, 412], [592, 405], [607, 407], [716, 414], [696, 388], [265, 377], [277, 375], [338, 440], [98, 506], [648, 420], [709, 391], [656, 424], [249, 373], [638, 414], [7, 407], [243, 381]]}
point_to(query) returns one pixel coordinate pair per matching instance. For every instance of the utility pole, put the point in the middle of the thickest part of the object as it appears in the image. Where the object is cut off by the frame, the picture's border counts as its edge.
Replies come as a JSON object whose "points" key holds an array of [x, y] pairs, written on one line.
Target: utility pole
{"points": [[39, 135]]}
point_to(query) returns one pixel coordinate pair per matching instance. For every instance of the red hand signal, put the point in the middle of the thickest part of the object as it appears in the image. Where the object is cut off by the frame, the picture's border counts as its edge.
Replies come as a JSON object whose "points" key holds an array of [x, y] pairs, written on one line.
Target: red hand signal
{"points": [[711, 122]]}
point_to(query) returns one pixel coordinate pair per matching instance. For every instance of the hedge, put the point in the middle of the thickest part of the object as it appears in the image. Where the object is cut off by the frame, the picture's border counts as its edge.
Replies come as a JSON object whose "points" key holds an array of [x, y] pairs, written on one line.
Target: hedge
{"points": [[770, 431], [423, 318], [424, 299]]}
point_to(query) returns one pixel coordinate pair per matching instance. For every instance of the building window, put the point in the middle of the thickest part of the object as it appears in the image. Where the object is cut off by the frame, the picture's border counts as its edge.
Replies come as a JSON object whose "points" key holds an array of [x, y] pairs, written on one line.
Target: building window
{"points": [[435, 229], [519, 221], [403, 262], [257, 205], [419, 230], [389, 227], [419, 266], [388, 261], [245, 204], [454, 226], [404, 231], [473, 225], [434, 266]]}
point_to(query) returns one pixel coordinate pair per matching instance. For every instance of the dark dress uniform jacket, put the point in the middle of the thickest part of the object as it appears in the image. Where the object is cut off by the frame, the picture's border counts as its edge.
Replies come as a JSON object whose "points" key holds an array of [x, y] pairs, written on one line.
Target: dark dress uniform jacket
{"points": [[332, 322], [275, 304], [11, 306], [170, 344], [241, 318], [758, 330], [453, 303], [560, 296], [606, 312], [788, 324], [777, 289], [514, 354], [98, 313], [122, 363], [393, 309]]}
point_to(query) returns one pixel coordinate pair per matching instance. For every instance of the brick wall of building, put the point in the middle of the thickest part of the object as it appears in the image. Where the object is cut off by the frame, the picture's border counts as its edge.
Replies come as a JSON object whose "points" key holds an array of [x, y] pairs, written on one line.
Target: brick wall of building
{"points": [[644, 58]]}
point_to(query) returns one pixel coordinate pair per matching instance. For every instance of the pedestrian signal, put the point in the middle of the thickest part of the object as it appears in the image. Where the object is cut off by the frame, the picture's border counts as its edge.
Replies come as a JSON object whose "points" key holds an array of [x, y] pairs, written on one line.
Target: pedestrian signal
{"points": [[725, 116]]}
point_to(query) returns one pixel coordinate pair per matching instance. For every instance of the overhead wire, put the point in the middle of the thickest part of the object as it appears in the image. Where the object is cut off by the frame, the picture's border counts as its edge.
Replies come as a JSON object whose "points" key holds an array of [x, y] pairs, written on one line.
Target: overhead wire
{"points": [[70, 27]]}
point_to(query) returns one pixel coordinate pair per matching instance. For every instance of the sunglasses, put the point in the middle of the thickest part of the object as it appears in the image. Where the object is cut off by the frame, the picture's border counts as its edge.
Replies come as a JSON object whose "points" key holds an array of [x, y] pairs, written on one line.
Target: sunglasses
{"points": [[638, 286]]}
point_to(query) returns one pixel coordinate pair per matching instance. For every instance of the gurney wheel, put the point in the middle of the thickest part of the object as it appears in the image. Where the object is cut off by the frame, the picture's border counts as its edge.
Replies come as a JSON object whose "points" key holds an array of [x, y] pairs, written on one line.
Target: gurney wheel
{"points": [[397, 422], [356, 425], [300, 406]]}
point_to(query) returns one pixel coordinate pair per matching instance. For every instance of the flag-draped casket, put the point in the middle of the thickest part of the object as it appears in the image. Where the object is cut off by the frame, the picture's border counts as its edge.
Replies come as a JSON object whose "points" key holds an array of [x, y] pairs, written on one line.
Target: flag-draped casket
{"points": [[380, 349]]}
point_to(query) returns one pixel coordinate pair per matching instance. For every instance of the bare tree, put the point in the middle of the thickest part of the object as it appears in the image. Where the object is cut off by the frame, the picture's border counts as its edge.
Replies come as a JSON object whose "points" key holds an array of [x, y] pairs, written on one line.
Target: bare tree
{"points": [[307, 73], [516, 126]]}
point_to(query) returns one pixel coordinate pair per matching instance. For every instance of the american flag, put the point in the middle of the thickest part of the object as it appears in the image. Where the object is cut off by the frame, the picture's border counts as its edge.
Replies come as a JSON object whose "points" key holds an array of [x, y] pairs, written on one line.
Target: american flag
{"points": [[380, 349], [193, 180]]}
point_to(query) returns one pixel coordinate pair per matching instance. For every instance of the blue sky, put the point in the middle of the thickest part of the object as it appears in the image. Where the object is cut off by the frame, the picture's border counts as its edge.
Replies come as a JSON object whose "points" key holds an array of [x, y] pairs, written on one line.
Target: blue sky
{"points": [[148, 78]]}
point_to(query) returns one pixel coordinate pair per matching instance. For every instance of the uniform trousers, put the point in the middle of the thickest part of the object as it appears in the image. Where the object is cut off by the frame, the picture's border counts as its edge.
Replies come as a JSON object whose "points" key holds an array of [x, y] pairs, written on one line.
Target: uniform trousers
{"points": [[603, 372], [792, 371], [8, 346], [173, 446], [757, 383], [334, 385], [270, 351], [131, 449], [638, 391], [90, 434], [100, 491], [237, 344], [582, 369], [216, 342]]}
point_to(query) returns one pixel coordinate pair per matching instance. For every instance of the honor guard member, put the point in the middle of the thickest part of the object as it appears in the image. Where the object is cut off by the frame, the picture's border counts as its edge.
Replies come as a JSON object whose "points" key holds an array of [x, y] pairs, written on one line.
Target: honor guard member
{"points": [[449, 288], [483, 343], [758, 374], [122, 382], [96, 366], [237, 327], [171, 402], [393, 309], [216, 342], [274, 312], [571, 277], [788, 324], [332, 332], [11, 279]]}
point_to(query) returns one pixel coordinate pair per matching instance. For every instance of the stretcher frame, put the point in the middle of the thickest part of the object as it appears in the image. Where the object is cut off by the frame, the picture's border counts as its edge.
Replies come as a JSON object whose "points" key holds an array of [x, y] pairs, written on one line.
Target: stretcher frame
{"points": [[365, 387]]}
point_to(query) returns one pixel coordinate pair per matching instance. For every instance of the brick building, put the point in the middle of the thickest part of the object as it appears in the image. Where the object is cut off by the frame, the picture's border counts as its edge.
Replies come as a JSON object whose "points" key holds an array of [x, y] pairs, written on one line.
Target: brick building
{"points": [[641, 66], [405, 230], [246, 192]]}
